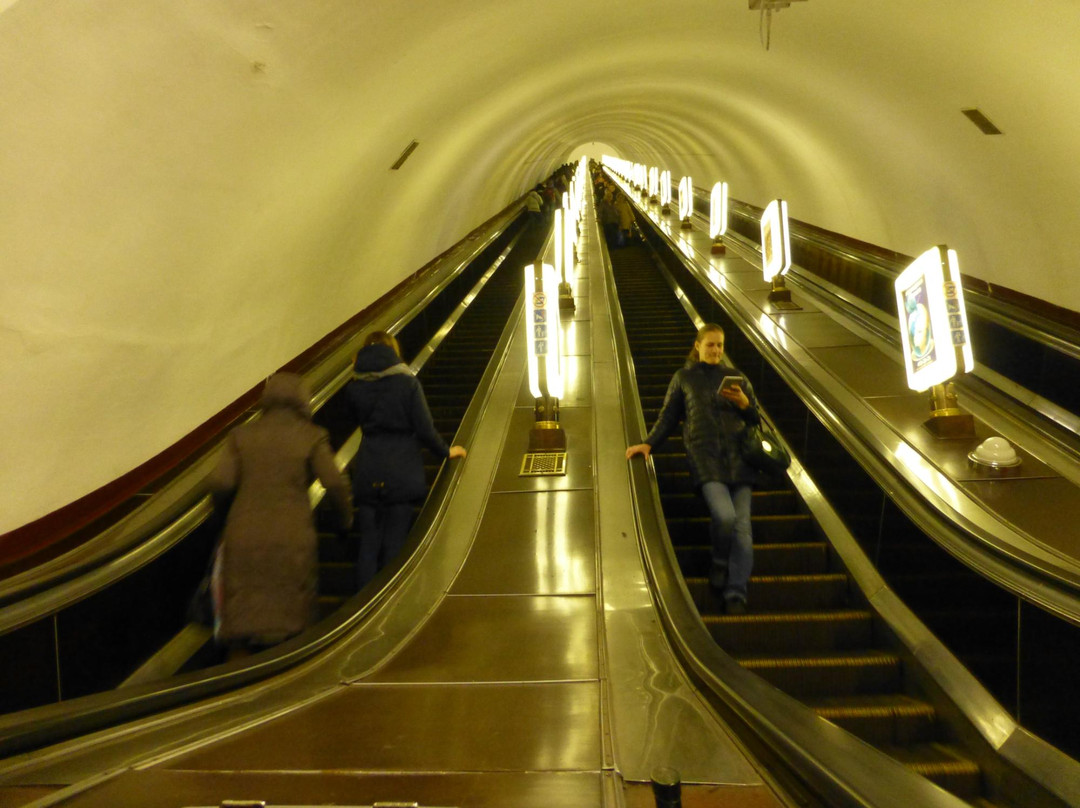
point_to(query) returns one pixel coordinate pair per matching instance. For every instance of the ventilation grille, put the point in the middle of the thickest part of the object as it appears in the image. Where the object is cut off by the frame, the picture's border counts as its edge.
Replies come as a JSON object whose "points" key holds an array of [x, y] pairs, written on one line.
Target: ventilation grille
{"points": [[981, 121], [543, 464]]}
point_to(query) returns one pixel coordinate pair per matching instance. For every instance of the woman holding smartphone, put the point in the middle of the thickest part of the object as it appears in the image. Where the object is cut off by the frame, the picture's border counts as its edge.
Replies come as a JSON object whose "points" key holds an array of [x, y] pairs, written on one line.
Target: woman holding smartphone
{"points": [[713, 415]]}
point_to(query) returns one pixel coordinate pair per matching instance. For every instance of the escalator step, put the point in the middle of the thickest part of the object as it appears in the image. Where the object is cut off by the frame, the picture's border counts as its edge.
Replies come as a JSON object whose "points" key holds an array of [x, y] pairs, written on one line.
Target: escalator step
{"points": [[829, 675], [775, 593], [885, 720], [787, 632], [941, 764], [769, 559]]}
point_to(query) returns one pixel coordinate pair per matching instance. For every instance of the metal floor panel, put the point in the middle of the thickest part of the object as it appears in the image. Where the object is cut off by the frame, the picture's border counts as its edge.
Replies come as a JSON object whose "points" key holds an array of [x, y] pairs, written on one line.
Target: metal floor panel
{"points": [[577, 422], [533, 545], [501, 639], [865, 369], [816, 330], [507, 727], [170, 789]]}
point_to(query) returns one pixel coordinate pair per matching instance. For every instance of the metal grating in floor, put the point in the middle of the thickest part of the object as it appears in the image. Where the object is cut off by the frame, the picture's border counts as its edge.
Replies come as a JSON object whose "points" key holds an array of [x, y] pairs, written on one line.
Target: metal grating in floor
{"points": [[543, 464]]}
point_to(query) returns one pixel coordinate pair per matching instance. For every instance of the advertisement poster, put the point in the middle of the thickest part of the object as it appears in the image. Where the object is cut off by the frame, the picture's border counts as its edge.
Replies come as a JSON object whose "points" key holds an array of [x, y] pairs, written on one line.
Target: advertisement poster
{"points": [[921, 351]]}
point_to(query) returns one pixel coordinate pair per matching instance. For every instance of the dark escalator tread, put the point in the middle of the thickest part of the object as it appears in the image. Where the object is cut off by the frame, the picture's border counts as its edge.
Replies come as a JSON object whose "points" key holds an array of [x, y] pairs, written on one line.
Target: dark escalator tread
{"points": [[942, 764], [787, 632], [774, 593], [771, 559], [882, 720], [856, 673]]}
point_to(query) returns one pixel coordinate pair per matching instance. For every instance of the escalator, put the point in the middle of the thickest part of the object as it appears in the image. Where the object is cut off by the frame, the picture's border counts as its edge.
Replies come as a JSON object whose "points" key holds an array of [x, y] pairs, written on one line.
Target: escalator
{"points": [[451, 366], [809, 631], [94, 645]]}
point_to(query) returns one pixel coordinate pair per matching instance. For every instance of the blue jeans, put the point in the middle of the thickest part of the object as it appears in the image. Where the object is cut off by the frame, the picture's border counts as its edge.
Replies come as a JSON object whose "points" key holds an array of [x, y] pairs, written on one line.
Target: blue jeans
{"points": [[383, 530], [732, 542]]}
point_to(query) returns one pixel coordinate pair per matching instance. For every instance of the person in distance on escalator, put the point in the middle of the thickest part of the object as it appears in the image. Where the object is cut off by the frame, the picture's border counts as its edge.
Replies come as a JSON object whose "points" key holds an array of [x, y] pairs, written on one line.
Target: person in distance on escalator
{"points": [[265, 576], [388, 404], [713, 418]]}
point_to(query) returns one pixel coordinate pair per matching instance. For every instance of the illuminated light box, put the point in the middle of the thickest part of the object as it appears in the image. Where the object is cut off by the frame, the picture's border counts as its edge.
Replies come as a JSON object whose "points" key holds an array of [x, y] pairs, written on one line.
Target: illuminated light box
{"points": [[665, 187], [654, 183], [933, 322], [775, 241], [542, 332], [718, 210], [686, 198]]}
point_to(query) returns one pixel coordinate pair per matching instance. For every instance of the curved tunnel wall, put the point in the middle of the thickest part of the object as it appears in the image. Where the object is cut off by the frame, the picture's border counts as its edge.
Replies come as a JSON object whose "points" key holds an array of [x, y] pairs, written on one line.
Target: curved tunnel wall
{"points": [[195, 193]]}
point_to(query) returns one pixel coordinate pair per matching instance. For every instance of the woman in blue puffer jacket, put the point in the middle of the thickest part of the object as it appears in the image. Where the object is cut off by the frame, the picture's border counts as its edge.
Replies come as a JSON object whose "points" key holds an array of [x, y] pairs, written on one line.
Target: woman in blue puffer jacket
{"points": [[388, 404], [713, 419]]}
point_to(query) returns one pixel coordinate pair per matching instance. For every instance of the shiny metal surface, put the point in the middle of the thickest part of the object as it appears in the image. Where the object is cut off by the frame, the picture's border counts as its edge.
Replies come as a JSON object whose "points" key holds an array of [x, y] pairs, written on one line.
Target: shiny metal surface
{"points": [[657, 717], [816, 330], [906, 413], [499, 669], [533, 545], [1015, 557], [864, 368], [482, 638], [577, 421], [159, 788], [444, 728]]}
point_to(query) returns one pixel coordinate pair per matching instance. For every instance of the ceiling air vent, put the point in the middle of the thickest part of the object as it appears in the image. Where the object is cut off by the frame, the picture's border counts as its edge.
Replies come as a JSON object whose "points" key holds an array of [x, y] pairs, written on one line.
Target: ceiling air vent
{"points": [[405, 155], [981, 121]]}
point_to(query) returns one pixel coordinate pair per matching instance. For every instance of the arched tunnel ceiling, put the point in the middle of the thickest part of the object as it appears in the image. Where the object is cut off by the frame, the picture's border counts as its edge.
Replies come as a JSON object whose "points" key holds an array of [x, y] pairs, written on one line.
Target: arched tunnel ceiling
{"points": [[195, 192]]}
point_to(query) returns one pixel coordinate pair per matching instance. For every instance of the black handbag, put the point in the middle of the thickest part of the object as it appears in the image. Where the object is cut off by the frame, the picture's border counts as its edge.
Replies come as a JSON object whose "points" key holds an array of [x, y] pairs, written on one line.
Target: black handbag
{"points": [[761, 450]]}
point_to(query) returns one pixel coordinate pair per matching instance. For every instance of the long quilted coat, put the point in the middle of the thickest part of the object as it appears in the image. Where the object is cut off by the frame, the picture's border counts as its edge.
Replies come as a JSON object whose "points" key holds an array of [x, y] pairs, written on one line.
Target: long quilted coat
{"points": [[266, 577], [711, 425]]}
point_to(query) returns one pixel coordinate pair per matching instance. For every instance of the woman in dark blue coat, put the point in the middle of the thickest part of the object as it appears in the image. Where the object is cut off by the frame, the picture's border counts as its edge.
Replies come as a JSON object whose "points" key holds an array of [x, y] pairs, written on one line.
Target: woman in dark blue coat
{"points": [[388, 404], [713, 420]]}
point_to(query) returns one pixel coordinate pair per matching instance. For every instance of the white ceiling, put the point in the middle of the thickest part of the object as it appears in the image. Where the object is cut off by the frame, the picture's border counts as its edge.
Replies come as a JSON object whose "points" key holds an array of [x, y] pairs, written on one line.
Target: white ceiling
{"points": [[193, 193]]}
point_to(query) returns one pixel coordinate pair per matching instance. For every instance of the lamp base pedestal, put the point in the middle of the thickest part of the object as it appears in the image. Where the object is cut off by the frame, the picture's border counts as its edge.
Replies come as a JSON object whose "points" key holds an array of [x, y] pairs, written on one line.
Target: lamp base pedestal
{"points": [[780, 295], [566, 297], [686, 224], [665, 210], [547, 436], [718, 247], [951, 424]]}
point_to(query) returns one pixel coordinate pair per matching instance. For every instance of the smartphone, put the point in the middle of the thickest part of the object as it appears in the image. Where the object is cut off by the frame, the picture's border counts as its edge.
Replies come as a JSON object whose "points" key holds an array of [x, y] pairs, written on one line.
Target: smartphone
{"points": [[730, 381]]}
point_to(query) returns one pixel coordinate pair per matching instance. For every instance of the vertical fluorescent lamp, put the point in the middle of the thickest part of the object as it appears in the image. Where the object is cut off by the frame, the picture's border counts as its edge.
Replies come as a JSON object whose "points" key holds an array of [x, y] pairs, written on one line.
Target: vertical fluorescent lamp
{"points": [[686, 201], [718, 210], [560, 234], [654, 184], [665, 191], [775, 242], [568, 239], [718, 216], [542, 332]]}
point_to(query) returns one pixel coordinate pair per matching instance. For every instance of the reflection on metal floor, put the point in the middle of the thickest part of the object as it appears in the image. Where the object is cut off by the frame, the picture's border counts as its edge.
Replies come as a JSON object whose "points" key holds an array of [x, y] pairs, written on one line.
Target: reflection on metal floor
{"points": [[539, 675]]}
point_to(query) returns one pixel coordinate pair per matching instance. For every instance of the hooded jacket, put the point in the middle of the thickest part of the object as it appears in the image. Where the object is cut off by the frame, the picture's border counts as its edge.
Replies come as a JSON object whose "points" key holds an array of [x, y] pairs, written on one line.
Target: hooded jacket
{"points": [[711, 425], [265, 581], [388, 404]]}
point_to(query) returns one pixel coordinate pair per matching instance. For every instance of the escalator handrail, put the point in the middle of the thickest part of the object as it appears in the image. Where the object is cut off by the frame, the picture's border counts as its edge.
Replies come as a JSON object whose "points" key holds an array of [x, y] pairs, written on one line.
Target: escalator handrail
{"points": [[1039, 760], [837, 766], [977, 539], [1018, 319], [41, 726], [150, 531]]}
